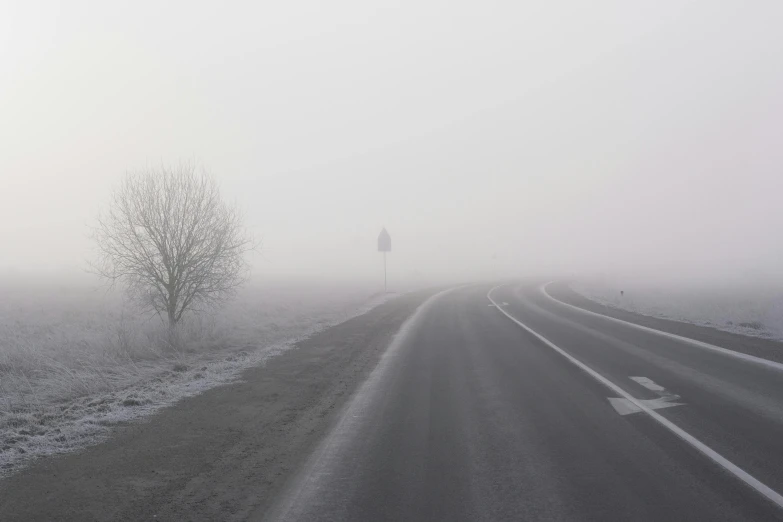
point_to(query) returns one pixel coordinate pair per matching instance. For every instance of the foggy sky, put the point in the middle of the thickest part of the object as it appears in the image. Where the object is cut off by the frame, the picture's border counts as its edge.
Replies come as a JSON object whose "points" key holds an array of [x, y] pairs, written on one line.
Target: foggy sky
{"points": [[490, 138]]}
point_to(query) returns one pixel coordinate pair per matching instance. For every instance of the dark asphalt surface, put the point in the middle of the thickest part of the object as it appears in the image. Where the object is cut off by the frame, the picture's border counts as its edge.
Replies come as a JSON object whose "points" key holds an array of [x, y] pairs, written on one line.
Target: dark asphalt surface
{"points": [[470, 417]]}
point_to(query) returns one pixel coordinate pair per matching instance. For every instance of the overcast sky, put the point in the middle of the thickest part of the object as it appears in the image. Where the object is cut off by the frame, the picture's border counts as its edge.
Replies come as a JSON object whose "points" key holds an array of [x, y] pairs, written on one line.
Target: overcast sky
{"points": [[488, 137]]}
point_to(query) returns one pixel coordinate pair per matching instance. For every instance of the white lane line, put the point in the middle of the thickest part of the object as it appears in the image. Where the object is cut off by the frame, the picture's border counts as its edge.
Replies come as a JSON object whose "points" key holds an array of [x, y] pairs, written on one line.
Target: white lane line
{"points": [[711, 454], [649, 384], [687, 340]]}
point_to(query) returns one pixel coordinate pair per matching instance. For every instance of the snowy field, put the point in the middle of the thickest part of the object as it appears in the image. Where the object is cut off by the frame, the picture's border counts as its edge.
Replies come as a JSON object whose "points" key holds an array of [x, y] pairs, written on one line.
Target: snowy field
{"points": [[748, 308], [76, 360]]}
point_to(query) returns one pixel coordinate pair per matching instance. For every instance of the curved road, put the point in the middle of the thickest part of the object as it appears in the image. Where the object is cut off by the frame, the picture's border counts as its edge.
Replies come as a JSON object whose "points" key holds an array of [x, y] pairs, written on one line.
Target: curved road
{"points": [[534, 410]]}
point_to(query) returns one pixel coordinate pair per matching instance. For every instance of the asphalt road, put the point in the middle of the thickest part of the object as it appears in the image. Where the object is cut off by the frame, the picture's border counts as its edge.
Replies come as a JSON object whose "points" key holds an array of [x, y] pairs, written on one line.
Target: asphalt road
{"points": [[448, 407], [534, 410]]}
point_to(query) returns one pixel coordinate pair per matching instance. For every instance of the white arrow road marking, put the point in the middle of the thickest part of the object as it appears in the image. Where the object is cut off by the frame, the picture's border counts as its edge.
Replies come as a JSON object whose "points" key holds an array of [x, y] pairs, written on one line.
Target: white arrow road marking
{"points": [[666, 400], [714, 456], [647, 383], [626, 407]]}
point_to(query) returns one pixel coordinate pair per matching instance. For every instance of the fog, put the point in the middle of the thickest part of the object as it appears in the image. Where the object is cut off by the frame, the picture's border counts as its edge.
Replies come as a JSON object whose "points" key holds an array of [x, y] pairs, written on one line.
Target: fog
{"points": [[491, 139]]}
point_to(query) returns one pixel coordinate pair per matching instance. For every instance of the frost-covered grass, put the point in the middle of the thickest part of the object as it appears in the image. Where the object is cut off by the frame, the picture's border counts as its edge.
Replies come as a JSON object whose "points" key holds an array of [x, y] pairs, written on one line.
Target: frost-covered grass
{"points": [[744, 307], [76, 359]]}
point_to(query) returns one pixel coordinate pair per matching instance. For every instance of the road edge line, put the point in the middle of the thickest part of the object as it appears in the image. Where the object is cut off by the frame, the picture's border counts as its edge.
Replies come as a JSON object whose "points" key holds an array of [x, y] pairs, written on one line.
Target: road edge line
{"points": [[705, 450], [304, 482], [687, 340]]}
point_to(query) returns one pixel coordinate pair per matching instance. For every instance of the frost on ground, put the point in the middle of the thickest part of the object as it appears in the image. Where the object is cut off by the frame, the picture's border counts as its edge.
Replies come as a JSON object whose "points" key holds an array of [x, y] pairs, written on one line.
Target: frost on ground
{"points": [[75, 360], [742, 307]]}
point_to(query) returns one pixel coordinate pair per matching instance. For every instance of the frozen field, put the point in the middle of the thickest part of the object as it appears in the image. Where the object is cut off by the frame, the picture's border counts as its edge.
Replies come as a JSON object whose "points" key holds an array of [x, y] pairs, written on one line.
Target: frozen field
{"points": [[76, 359], [741, 307]]}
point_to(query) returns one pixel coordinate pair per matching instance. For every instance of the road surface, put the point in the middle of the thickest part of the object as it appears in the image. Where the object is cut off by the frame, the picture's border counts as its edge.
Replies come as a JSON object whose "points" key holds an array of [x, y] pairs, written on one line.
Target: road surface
{"points": [[472, 416], [471, 404]]}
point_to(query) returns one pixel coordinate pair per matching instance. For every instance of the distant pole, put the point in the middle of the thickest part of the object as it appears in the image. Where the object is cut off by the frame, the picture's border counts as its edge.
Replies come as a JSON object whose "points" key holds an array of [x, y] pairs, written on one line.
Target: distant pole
{"points": [[384, 245]]}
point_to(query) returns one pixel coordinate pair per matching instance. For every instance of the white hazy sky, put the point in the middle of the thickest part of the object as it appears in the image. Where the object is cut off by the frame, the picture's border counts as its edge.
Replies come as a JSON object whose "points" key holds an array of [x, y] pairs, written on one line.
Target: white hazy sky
{"points": [[488, 137]]}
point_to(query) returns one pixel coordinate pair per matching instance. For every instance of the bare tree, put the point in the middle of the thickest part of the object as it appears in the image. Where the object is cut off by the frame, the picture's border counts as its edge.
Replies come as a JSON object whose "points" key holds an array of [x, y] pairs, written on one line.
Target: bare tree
{"points": [[172, 241]]}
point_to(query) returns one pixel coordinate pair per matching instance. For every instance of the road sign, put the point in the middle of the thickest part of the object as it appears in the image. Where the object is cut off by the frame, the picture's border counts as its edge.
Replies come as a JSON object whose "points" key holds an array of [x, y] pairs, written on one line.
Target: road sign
{"points": [[384, 241]]}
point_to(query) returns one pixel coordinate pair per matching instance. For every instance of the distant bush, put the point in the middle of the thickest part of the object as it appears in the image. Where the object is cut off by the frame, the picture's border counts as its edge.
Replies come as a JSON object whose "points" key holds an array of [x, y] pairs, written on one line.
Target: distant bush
{"points": [[753, 325]]}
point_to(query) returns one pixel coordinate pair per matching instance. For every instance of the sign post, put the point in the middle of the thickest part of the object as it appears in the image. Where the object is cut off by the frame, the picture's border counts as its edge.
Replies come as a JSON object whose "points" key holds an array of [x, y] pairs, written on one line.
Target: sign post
{"points": [[384, 245]]}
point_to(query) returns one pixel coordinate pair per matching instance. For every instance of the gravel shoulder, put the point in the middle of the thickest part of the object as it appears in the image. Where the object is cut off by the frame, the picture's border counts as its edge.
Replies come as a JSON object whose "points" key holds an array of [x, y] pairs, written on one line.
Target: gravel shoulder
{"points": [[221, 455]]}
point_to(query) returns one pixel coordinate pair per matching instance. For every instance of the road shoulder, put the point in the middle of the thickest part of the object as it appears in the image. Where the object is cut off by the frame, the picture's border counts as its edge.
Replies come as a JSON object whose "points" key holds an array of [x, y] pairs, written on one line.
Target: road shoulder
{"points": [[220, 455]]}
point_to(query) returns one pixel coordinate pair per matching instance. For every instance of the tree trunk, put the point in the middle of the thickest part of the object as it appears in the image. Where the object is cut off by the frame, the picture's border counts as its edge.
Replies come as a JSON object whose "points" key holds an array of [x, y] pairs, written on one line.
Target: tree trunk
{"points": [[171, 309]]}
